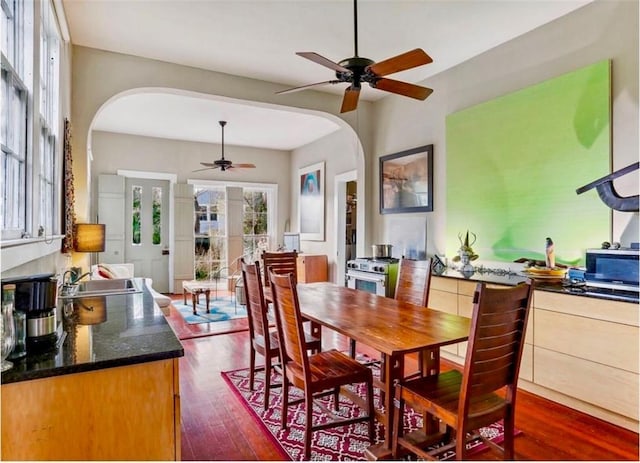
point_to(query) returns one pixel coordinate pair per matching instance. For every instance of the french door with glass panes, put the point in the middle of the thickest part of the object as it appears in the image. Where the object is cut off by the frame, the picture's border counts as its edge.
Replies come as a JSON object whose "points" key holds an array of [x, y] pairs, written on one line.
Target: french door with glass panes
{"points": [[210, 227], [147, 229]]}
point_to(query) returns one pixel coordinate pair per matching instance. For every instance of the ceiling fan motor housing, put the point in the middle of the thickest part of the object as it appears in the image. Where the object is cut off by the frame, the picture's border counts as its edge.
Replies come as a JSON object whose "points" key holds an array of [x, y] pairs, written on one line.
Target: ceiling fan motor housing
{"points": [[357, 66]]}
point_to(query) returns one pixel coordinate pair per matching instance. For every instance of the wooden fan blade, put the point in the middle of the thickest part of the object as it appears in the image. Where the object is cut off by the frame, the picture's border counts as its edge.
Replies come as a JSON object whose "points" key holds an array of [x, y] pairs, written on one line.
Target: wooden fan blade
{"points": [[408, 60], [316, 58], [402, 88], [302, 87], [208, 164], [350, 100], [206, 168], [242, 166]]}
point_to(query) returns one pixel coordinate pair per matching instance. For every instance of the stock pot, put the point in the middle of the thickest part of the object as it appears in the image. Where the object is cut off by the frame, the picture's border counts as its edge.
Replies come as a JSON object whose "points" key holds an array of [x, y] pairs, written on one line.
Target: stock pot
{"points": [[381, 251]]}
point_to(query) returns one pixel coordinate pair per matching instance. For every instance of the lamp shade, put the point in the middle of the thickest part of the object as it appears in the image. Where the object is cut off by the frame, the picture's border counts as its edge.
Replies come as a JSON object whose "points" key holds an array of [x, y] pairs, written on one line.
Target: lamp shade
{"points": [[89, 237]]}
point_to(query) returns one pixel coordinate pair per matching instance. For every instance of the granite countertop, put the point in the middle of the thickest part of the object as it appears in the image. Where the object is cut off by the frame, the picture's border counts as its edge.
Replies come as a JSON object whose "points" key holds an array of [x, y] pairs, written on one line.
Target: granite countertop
{"points": [[553, 285], [130, 330]]}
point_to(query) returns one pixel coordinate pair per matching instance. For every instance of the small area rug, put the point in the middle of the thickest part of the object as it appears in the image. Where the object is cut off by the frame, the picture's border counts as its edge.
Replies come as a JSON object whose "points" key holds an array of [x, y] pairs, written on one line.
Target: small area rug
{"points": [[341, 443], [220, 310]]}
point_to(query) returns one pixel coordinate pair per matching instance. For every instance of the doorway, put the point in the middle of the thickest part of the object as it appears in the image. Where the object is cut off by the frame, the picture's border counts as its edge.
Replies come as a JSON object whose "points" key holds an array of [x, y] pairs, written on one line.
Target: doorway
{"points": [[147, 229], [346, 208]]}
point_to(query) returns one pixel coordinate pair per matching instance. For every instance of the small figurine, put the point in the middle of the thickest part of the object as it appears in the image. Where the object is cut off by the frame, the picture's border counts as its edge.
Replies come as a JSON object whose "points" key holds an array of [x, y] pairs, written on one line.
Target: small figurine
{"points": [[550, 254]]}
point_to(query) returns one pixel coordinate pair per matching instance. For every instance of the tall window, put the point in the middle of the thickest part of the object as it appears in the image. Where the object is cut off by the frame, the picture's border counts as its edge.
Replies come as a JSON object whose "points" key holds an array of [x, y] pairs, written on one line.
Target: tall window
{"points": [[210, 231], [258, 218], [16, 69], [136, 219], [30, 127], [49, 103], [255, 221]]}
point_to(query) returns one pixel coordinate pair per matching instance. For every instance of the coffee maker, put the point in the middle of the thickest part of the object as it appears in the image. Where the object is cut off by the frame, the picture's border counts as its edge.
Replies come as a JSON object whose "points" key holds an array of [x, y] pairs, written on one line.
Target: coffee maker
{"points": [[36, 296]]}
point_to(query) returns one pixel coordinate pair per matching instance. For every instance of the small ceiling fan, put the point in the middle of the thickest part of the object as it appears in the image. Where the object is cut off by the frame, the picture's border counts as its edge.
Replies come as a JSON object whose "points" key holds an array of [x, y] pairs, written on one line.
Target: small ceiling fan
{"points": [[356, 70], [222, 163]]}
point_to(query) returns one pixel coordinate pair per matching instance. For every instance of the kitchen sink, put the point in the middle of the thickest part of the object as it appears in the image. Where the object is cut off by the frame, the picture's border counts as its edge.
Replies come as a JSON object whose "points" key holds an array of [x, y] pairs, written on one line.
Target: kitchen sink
{"points": [[106, 287]]}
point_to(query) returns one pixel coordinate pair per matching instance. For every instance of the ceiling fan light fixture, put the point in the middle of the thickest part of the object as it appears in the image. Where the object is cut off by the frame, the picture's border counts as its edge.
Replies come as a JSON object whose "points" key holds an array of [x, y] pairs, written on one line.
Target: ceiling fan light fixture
{"points": [[357, 69], [222, 163]]}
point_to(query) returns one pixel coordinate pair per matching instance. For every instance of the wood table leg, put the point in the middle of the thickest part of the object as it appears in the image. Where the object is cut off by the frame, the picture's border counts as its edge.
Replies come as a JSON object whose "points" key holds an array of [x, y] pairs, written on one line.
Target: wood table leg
{"points": [[430, 367], [394, 368], [194, 301], [207, 293], [184, 296]]}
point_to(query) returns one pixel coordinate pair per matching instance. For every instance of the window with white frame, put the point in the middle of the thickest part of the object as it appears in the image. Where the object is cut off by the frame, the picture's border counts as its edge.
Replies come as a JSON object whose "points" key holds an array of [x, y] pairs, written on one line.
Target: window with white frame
{"points": [[16, 47], [49, 125], [211, 215], [29, 123]]}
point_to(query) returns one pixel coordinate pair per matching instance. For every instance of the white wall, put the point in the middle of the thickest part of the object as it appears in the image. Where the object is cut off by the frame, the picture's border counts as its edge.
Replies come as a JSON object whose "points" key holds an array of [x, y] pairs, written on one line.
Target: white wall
{"points": [[601, 30], [112, 151], [339, 151]]}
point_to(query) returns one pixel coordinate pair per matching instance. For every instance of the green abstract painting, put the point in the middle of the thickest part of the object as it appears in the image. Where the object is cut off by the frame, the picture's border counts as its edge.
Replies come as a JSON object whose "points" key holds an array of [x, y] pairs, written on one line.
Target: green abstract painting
{"points": [[514, 164]]}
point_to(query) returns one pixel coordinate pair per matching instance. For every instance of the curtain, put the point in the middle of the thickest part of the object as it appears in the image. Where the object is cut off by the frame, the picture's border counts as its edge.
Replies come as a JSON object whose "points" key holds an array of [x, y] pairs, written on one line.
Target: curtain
{"points": [[68, 197]]}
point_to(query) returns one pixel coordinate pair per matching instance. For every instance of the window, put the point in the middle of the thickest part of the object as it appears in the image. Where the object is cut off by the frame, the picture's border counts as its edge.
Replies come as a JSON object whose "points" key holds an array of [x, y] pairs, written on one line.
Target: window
{"points": [[255, 221], [30, 138], [49, 90], [156, 193], [15, 95], [210, 221], [136, 207], [210, 231]]}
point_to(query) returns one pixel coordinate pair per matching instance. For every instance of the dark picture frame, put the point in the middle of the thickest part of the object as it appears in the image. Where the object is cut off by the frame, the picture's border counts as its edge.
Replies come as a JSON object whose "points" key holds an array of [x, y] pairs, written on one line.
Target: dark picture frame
{"points": [[406, 181]]}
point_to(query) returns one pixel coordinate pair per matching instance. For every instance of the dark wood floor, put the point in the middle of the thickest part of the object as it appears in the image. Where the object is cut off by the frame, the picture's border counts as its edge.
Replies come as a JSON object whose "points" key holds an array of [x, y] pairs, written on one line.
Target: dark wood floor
{"points": [[216, 426]]}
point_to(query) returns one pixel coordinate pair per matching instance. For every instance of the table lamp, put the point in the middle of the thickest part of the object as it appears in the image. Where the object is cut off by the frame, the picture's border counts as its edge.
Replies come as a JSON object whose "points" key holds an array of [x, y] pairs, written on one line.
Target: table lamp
{"points": [[89, 237]]}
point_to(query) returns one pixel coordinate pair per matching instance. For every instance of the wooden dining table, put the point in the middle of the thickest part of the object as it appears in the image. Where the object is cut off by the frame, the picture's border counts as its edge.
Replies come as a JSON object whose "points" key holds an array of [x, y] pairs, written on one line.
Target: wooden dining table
{"points": [[390, 327]]}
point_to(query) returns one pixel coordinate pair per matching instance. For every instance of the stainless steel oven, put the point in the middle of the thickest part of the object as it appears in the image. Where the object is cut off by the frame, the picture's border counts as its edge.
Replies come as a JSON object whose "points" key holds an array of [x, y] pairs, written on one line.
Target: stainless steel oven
{"points": [[376, 276]]}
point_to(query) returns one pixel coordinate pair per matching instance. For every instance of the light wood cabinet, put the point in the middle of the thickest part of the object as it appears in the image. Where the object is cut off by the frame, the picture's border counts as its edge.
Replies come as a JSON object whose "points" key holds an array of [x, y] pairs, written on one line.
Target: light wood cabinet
{"points": [[312, 268], [122, 413], [580, 351]]}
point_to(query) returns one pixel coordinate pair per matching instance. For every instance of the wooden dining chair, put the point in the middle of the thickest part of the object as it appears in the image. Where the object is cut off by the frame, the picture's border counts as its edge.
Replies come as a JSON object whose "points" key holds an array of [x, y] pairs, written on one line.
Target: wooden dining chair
{"points": [[263, 340], [317, 374], [412, 285], [469, 400], [280, 263]]}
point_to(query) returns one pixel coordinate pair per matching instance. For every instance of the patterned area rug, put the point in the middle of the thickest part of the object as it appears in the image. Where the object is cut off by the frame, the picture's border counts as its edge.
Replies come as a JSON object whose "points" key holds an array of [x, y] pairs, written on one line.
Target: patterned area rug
{"points": [[342, 443], [219, 310]]}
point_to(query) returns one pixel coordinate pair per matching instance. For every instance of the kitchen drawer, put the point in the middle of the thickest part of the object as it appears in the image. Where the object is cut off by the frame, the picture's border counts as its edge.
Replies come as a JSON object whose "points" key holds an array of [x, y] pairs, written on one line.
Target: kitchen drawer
{"points": [[604, 386], [443, 301], [601, 309], [608, 343], [449, 285]]}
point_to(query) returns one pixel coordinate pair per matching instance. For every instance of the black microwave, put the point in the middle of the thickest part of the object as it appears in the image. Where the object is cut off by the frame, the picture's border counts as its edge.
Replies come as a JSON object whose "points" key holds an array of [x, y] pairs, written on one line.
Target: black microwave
{"points": [[613, 268]]}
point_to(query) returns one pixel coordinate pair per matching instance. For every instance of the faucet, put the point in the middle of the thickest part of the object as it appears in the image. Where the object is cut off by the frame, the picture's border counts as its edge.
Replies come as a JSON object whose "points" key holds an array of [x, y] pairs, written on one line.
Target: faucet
{"points": [[73, 278]]}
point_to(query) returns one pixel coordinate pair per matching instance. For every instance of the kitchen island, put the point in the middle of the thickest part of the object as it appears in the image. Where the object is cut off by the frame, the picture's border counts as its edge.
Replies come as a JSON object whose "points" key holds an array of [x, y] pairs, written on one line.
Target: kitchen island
{"points": [[581, 347], [108, 391]]}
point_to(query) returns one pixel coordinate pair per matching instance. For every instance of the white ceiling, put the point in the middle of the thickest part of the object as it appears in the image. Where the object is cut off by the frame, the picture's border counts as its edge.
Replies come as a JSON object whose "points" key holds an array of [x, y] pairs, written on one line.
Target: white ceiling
{"points": [[259, 38]]}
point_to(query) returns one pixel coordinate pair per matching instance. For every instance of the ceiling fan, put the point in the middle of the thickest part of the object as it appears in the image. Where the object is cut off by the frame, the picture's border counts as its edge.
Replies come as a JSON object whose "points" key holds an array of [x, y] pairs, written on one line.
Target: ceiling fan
{"points": [[356, 70], [222, 163]]}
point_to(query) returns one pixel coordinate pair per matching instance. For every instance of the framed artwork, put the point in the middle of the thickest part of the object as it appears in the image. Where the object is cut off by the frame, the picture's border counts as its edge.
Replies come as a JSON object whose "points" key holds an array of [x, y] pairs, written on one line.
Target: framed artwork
{"points": [[406, 181], [311, 202]]}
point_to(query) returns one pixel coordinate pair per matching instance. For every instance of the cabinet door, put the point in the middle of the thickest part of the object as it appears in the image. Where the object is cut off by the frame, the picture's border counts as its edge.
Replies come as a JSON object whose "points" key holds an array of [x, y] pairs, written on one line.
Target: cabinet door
{"points": [[312, 268]]}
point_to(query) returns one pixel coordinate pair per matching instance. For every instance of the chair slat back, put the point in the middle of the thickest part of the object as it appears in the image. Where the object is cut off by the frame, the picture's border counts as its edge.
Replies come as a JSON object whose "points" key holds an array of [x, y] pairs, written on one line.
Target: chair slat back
{"points": [[414, 279], [280, 263], [289, 322], [256, 306], [496, 340]]}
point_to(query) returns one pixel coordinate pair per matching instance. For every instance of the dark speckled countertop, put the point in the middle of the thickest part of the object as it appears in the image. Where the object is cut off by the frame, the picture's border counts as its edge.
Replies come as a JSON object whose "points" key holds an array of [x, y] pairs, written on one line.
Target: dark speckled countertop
{"points": [[130, 330], [557, 286]]}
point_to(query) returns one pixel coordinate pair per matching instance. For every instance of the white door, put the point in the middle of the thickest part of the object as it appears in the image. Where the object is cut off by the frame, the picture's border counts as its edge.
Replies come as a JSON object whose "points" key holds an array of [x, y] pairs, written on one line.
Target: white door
{"points": [[147, 229]]}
